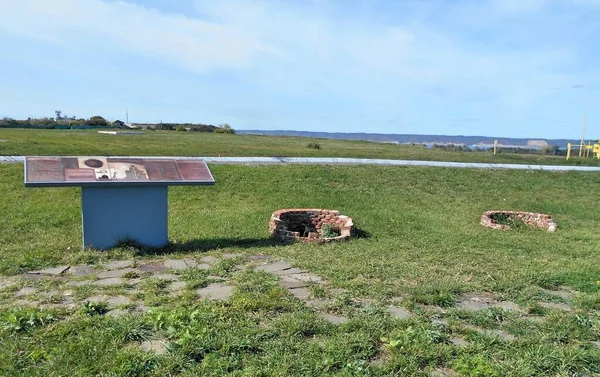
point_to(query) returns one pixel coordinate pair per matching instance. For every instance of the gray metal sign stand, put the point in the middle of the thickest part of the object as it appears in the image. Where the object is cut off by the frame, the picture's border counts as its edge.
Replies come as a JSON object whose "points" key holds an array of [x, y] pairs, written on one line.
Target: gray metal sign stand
{"points": [[121, 199]]}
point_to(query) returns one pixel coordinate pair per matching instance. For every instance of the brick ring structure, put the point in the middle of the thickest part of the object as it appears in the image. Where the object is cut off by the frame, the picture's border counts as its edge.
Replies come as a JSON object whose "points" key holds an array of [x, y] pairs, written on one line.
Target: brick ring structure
{"points": [[539, 220], [306, 225]]}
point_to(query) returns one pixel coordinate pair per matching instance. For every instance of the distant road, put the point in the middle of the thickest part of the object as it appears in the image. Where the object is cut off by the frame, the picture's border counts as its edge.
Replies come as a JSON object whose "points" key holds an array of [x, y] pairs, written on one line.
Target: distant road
{"points": [[352, 161]]}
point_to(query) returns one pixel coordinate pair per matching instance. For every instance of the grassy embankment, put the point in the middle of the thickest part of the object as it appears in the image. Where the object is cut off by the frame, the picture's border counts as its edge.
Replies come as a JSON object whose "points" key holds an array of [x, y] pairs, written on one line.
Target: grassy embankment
{"points": [[172, 143]]}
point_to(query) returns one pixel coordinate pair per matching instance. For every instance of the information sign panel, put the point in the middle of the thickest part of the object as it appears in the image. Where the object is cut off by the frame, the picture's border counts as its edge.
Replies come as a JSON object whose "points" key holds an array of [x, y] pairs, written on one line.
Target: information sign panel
{"points": [[114, 171]]}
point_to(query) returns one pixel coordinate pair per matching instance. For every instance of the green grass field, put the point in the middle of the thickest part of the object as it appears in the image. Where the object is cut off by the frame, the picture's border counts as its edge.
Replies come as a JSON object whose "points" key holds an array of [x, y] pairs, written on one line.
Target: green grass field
{"points": [[172, 143], [422, 248]]}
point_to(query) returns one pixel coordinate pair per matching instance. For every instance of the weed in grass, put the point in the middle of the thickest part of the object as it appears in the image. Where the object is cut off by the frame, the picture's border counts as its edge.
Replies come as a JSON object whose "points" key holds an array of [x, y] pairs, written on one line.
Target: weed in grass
{"points": [[131, 275], [588, 301], [317, 291], [93, 308], [223, 267], [474, 366], [195, 278], [508, 220], [154, 284], [536, 309], [416, 347], [329, 231], [23, 320], [434, 295], [487, 318], [133, 328], [299, 324]]}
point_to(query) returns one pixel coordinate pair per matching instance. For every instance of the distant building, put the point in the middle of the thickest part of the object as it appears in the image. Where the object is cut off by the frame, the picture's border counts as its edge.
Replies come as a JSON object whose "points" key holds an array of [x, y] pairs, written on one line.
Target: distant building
{"points": [[118, 123]]}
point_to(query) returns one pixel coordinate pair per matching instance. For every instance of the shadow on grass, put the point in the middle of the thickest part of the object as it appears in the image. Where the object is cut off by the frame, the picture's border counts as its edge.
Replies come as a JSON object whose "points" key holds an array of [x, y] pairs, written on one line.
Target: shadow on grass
{"points": [[202, 245], [360, 233], [205, 245]]}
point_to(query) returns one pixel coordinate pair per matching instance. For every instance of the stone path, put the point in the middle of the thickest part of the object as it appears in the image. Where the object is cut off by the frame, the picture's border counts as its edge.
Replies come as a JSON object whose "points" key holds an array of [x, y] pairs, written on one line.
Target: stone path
{"points": [[122, 286]]}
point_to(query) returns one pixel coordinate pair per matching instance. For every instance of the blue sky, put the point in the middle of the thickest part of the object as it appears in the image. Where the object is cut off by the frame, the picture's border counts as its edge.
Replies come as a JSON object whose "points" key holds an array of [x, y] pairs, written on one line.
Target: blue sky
{"points": [[520, 68]]}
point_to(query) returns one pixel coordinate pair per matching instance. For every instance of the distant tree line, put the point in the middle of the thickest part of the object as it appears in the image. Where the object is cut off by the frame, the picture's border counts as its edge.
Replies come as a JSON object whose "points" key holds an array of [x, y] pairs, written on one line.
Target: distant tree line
{"points": [[193, 127], [95, 121], [98, 121]]}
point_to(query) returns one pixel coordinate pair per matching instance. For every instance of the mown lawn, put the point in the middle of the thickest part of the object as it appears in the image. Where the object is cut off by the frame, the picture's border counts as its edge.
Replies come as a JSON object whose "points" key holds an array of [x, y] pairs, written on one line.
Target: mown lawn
{"points": [[421, 248], [172, 143]]}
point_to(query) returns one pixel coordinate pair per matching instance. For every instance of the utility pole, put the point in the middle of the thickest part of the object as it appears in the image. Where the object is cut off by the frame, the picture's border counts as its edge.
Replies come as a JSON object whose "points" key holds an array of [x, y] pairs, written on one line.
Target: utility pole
{"points": [[585, 118], [127, 116]]}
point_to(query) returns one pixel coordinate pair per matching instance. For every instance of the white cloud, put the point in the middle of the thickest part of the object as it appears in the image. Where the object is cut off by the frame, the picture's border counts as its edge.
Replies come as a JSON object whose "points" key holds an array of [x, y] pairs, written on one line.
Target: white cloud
{"points": [[92, 24], [292, 48]]}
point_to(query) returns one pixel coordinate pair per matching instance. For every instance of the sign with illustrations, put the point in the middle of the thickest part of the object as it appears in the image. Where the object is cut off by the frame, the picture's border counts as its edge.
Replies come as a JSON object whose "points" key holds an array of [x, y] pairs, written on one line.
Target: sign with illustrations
{"points": [[86, 171]]}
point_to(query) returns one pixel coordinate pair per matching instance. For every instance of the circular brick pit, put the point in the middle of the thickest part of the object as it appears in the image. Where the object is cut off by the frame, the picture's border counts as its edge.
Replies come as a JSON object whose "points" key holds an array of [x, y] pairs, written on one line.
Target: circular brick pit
{"points": [[503, 219], [306, 225]]}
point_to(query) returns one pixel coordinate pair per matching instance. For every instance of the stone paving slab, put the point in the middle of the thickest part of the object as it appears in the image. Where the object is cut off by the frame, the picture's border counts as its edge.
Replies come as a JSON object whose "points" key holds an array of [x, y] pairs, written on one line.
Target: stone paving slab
{"points": [[177, 286], [291, 283], [555, 306], [318, 303], [117, 273], [473, 306], [98, 298], [203, 266], [6, 284], [508, 306], [109, 282], [492, 332], [301, 293], [117, 313], [292, 270], [335, 319], [474, 302], [229, 256], [458, 341], [117, 264], [51, 271], [260, 258], [156, 346], [398, 312], [167, 277], [133, 282], [442, 372], [175, 264], [51, 293], [25, 291], [26, 303], [215, 291], [80, 283], [82, 270], [501, 334], [564, 294], [152, 267], [30, 276], [190, 262], [140, 307], [210, 259], [119, 300], [307, 277], [273, 267]]}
